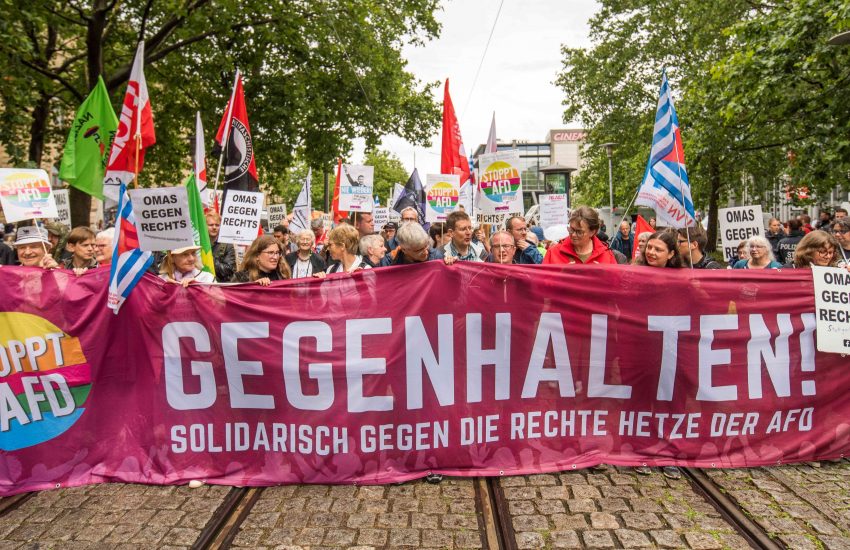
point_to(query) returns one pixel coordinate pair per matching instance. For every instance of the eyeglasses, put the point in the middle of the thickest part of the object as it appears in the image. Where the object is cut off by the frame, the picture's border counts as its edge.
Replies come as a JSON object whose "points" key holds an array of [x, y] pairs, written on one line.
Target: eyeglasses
{"points": [[840, 231], [682, 241], [577, 232], [410, 219], [271, 253], [504, 246], [825, 251]]}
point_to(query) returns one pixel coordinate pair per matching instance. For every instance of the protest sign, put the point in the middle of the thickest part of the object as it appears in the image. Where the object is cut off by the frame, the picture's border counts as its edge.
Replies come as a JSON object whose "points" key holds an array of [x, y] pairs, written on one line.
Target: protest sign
{"points": [[442, 195], [240, 217], [832, 308], [277, 214], [355, 190], [26, 194], [63, 207], [497, 220], [162, 218], [381, 216], [500, 182], [553, 210], [737, 224], [476, 383]]}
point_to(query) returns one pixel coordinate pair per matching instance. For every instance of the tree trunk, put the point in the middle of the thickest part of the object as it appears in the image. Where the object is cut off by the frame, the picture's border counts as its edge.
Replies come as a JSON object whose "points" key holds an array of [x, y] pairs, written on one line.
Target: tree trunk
{"points": [[38, 128], [81, 202], [715, 182]]}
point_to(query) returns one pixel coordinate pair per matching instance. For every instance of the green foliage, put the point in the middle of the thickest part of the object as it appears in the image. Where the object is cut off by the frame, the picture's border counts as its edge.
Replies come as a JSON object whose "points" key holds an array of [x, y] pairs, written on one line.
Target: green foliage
{"points": [[389, 170]]}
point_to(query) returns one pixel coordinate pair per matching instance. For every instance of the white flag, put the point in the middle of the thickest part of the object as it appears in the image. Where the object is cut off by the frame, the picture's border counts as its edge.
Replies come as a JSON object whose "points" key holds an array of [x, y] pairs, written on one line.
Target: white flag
{"points": [[303, 210]]}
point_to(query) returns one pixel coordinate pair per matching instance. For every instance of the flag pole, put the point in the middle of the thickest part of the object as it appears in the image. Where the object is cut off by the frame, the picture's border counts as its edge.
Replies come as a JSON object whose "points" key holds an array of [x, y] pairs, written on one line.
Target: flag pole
{"points": [[228, 119]]}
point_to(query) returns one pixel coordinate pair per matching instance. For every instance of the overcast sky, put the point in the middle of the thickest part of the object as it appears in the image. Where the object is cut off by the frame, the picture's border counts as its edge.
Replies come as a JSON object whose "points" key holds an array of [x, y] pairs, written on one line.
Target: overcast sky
{"points": [[516, 79]]}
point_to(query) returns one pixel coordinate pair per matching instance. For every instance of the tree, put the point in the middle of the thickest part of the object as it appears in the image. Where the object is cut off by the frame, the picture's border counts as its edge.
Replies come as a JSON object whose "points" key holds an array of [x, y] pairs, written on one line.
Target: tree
{"points": [[389, 171], [612, 89], [317, 75]]}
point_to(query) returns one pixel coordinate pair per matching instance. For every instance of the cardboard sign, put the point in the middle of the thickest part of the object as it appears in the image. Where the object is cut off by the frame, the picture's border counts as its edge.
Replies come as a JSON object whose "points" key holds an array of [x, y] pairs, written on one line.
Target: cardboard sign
{"points": [[240, 217], [553, 210], [738, 224], [500, 182], [355, 189], [26, 194], [277, 214], [442, 196], [832, 296], [63, 207], [381, 216], [162, 217]]}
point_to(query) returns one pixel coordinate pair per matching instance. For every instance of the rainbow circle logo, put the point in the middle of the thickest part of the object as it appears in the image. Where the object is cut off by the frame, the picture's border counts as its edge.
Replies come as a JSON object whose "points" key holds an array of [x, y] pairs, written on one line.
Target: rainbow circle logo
{"points": [[45, 380], [443, 197], [26, 190], [500, 182]]}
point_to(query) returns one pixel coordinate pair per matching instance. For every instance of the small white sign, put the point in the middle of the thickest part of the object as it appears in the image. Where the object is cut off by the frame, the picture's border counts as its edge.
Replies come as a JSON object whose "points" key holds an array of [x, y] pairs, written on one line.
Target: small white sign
{"points": [[553, 210], [442, 196], [355, 189], [832, 295], [26, 194], [497, 220], [277, 213], [63, 207], [162, 218], [738, 224], [381, 216], [240, 217]]}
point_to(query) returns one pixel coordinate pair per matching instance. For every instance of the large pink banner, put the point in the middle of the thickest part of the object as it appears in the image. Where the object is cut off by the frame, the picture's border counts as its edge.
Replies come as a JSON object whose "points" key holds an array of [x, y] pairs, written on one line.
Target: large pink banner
{"points": [[389, 374]]}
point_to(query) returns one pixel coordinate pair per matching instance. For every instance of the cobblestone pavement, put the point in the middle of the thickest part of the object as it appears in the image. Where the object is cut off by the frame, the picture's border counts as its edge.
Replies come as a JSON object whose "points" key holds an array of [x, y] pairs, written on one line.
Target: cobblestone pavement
{"points": [[617, 508], [110, 516], [415, 515], [805, 507]]}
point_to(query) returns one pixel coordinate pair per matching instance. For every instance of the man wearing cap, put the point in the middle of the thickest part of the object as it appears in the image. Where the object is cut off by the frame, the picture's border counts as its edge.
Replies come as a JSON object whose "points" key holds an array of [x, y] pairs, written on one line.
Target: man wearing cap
{"points": [[32, 246], [389, 235], [58, 234]]}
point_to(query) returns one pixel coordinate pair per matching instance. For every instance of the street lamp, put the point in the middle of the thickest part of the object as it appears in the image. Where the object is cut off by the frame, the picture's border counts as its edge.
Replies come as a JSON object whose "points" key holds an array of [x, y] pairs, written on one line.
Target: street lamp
{"points": [[840, 39], [609, 150]]}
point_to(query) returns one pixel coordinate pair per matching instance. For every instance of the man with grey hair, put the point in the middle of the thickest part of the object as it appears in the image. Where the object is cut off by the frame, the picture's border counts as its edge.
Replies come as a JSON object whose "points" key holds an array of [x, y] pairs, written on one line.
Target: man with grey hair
{"points": [[408, 215], [503, 247], [319, 233], [414, 246]]}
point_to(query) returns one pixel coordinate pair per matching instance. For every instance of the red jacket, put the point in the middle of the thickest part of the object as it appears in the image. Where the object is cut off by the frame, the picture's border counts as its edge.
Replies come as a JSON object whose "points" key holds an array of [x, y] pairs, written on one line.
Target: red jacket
{"points": [[564, 253]]}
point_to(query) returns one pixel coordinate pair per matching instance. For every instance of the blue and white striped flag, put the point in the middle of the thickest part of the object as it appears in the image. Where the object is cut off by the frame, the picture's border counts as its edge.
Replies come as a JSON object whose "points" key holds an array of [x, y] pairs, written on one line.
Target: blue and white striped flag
{"points": [[129, 262], [665, 186]]}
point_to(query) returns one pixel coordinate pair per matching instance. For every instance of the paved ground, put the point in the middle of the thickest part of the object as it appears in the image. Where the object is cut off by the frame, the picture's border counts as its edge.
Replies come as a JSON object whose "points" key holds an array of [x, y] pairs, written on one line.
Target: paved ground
{"points": [[799, 506]]}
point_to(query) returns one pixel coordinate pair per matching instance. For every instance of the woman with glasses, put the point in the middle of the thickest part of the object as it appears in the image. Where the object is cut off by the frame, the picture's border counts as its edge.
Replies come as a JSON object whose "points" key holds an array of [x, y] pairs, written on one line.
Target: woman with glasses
{"points": [[841, 232], [263, 263], [760, 255], [582, 246], [816, 248]]}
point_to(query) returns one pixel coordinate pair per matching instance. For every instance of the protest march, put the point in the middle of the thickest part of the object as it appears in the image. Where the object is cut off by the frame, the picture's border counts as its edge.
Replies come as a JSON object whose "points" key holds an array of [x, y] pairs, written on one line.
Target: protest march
{"points": [[201, 330]]}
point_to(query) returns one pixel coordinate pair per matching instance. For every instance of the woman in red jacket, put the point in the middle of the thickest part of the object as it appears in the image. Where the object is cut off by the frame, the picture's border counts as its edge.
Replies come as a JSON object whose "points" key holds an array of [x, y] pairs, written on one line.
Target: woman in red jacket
{"points": [[582, 246]]}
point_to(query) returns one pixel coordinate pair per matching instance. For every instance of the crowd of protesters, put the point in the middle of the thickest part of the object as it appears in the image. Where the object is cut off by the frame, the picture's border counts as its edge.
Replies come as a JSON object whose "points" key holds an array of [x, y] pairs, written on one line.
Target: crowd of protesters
{"points": [[355, 244]]}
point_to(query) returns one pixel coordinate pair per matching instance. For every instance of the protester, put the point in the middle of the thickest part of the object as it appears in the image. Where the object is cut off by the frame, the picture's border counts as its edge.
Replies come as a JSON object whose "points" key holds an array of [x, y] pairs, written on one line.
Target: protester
{"points": [[32, 246], [281, 233], [652, 223], [460, 244], [641, 240], [503, 247], [624, 240], [7, 253], [761, 255], [343, 243], [104, 244], [786, 247], [841, 232], [58, 234], [661, 250], [440, 236], [824, 220], [224, 255], [320, 234], [183, 266], [479, 236], [304, 262], [840, 214], [414, 246], [691, 243], [526, 253], [775, 233], [363, 222], [742, 253], [806, 221], [264, 262], [374, 250], [409, 215], [389, 234], [817, 248], [582, 246], [80, 244]]}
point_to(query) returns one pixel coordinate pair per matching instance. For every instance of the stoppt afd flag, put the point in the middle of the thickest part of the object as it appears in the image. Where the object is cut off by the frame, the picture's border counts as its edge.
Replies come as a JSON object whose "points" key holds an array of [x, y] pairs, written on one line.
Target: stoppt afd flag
{"points": [[89, 141], [234, 140], [199, 225], [453, 159]]}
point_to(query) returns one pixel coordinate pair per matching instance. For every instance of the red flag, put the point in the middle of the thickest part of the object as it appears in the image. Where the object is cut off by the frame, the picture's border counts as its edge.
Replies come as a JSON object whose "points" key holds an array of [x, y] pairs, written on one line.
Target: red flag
{"points": [[135, 131], [453, 160], [338, 214], [234, 138], [642, 226]]}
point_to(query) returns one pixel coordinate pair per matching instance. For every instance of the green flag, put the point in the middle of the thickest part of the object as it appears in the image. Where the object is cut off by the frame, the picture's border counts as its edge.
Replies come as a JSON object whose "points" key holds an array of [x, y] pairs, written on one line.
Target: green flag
{"points": [[89, 141], [199, 225]]}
